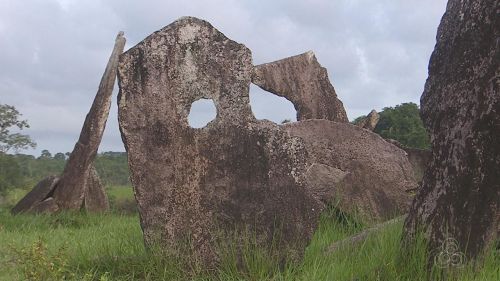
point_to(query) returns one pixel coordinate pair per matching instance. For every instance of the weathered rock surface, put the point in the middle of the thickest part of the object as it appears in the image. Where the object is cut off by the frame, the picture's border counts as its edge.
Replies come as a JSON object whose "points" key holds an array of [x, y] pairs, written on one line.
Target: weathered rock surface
{"points": [[370, 121], [39, 193], [79, 185], [95, 198], [47, 206], [236, 173], [70, 192], [460, 107], [374, 175], [303, 81], [40, 199], [419, 159]]}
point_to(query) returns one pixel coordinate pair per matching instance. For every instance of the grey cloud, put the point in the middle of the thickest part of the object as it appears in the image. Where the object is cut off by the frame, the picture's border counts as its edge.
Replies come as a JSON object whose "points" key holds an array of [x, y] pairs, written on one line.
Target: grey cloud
{"points": [[53, 52]]}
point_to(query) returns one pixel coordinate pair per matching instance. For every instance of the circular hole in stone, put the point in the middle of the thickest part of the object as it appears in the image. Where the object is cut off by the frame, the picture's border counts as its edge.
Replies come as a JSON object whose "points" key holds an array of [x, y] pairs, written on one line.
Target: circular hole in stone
{"points": [[202, 112]]}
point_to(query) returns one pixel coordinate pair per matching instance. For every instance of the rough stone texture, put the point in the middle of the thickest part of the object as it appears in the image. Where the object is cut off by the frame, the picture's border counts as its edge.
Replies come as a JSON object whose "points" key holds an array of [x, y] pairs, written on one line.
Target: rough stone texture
{"points": [[235, 173], [40, 192], [70, 192], [95, 199], [303, 81], [47, 206], [40, 198], [375, 174], [460, 107], [370, 121], [419, 159]]}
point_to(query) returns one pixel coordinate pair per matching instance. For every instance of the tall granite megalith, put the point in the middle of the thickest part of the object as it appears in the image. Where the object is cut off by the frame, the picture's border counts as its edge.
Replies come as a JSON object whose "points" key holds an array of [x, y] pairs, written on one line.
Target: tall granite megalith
{"points": [[236, 173], [460, 194], [79, 185]]}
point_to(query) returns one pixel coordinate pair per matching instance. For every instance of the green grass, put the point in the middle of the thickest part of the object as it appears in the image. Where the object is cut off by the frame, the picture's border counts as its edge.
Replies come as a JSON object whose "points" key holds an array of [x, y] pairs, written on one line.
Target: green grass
{"points": [[110, 247], [120, 192]]}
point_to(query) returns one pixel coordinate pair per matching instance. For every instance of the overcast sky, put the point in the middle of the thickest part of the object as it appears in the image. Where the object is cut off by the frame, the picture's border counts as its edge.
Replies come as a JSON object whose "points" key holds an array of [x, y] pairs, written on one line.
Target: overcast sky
{"points": [[53, 52]]}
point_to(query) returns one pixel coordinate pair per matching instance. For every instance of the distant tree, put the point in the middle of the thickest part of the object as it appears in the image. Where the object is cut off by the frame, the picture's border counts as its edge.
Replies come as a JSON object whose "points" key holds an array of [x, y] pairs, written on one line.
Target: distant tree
{"points": [[9, 117], [284, 121], [60, 156], [45, 154], [10, 173], [403, 123]]}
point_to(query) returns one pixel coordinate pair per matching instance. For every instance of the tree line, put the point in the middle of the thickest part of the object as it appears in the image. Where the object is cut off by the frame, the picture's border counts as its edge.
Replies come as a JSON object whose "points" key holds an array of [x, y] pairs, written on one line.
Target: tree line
{"points": [[24, 171]]}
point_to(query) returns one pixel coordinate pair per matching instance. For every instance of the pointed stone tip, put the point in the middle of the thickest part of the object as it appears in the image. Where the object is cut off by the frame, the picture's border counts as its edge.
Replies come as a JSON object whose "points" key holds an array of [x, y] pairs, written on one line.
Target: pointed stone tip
{"points": [[120, 36], [189, 19], [310, 54]]}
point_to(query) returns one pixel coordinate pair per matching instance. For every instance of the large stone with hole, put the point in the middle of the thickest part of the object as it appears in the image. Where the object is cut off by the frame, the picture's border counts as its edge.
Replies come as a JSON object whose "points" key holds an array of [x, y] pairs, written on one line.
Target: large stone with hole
{"points": [[303, 81], [235, 174], [355, 169], [460, 107]]}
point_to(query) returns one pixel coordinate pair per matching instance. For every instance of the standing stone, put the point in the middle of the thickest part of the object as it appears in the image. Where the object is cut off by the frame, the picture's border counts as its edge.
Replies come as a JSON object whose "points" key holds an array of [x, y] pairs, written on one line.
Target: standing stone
{"points": [[79, 186], [70, 191], [460, 106], [236, 173], [370, 121], [303, 81]]}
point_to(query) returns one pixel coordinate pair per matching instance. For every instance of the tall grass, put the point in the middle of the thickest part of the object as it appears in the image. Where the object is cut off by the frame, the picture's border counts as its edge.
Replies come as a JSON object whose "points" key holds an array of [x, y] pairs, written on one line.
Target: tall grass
{"points": [[110, 247]]}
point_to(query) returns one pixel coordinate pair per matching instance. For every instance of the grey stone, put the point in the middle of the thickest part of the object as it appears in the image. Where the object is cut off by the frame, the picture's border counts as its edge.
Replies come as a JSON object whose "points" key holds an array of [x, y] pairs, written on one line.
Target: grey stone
{"points": [[460, 194], [79, 185], [70, 191], [370, 121], [40, 192], [236, 173], [375, 174], [303, 81]]}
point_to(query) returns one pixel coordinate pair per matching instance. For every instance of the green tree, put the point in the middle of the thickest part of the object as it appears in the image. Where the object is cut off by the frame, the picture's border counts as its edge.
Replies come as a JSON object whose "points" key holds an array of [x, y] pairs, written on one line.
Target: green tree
{"points": [[403, 123], [10, 173], [9, 118], [60, 156], [45, 154]]}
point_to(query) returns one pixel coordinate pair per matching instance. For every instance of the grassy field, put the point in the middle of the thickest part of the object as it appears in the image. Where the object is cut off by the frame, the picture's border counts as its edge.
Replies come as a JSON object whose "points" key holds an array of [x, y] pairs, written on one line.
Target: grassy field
{"points": [[79, 246]]}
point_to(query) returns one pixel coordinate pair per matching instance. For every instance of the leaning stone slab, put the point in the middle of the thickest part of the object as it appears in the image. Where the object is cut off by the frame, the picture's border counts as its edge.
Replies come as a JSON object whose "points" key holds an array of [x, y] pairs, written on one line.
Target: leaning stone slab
{"points": [[39, 193], [71, 192], [79, 185], [235, 174], [303, 81], [47, 206]]}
